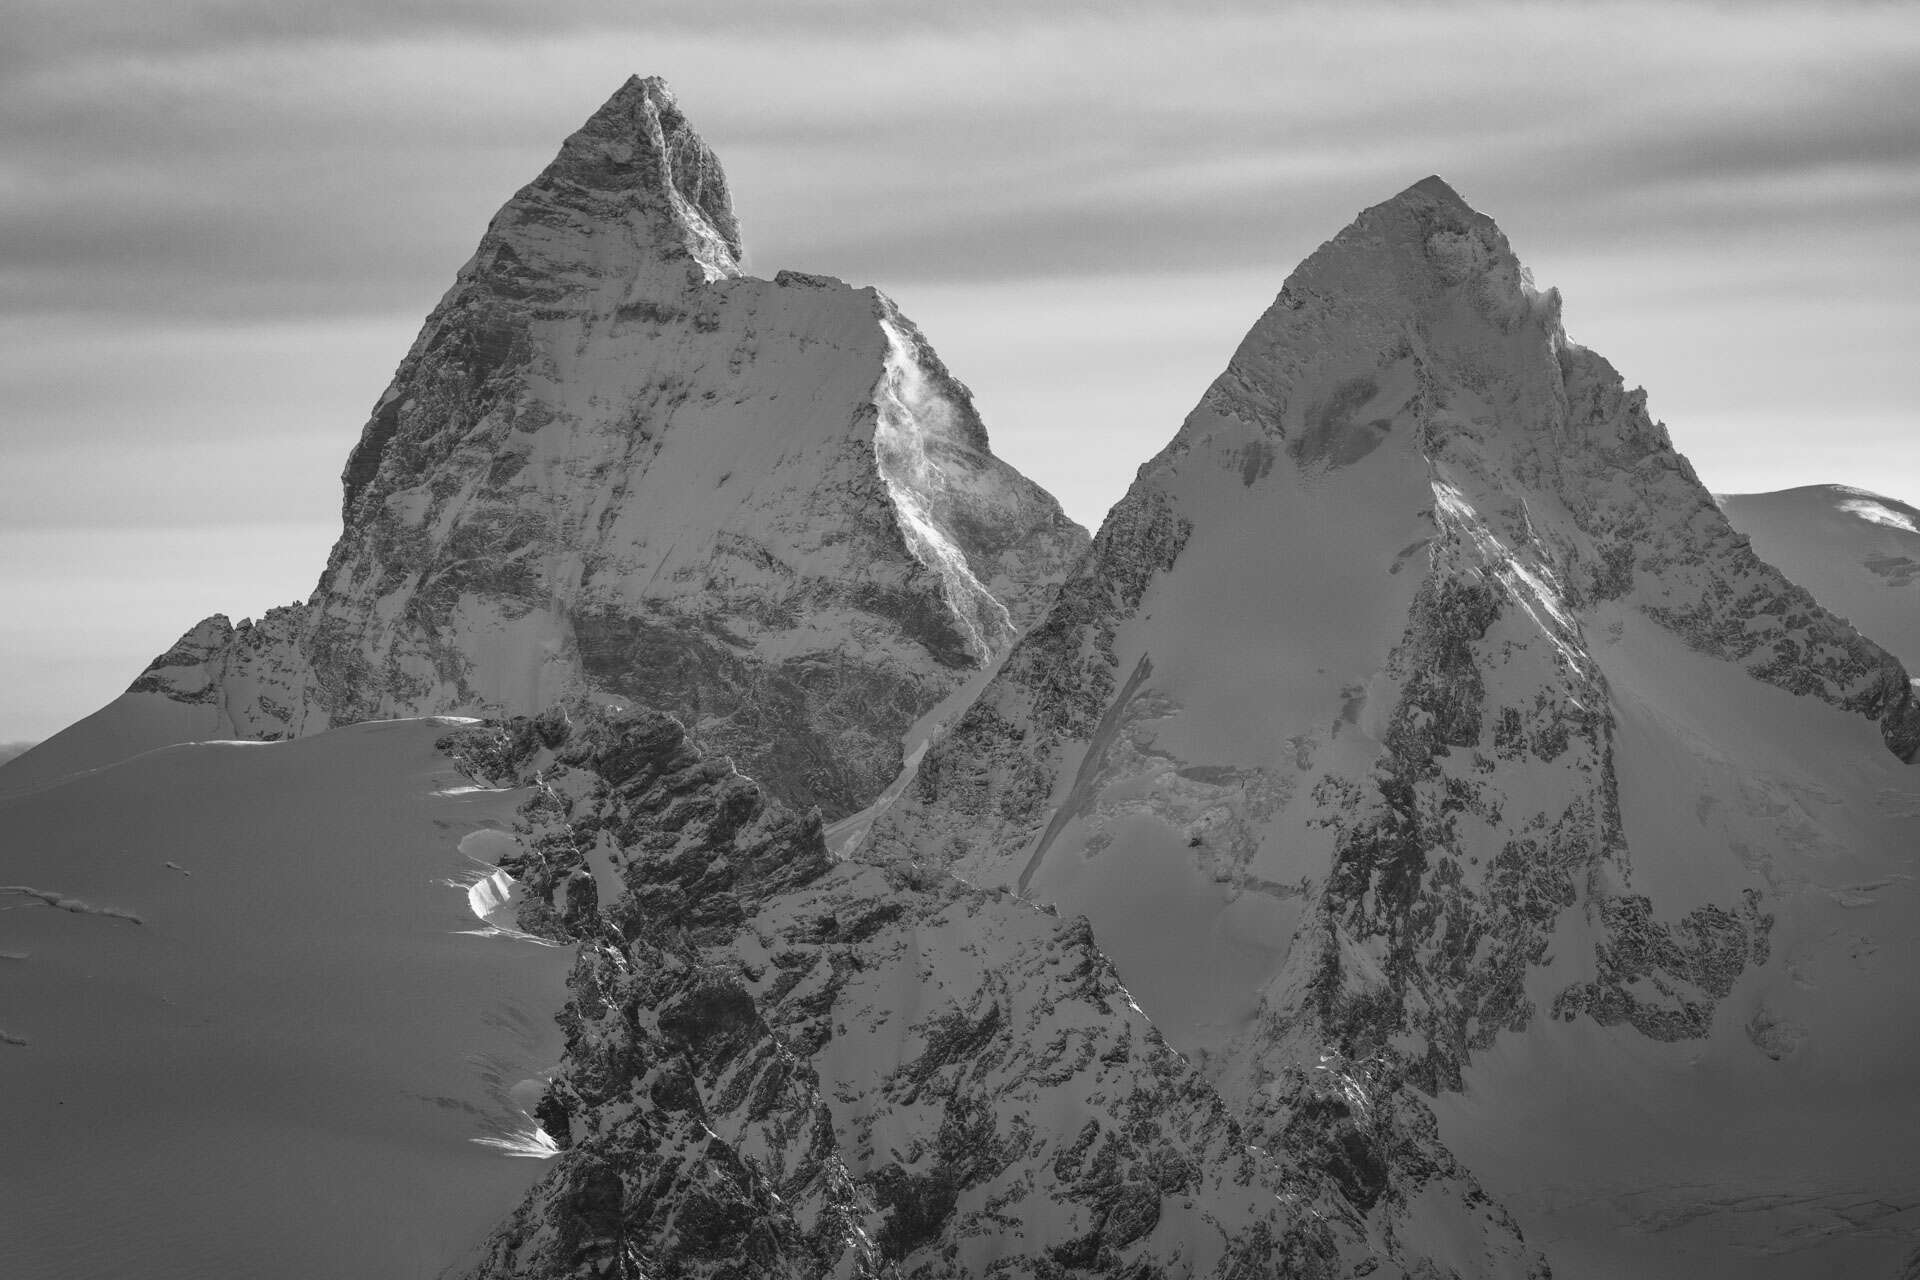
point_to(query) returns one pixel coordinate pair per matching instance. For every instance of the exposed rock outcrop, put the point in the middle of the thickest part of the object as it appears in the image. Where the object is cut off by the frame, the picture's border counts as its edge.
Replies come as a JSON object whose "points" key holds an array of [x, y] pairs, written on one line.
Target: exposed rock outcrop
{"points": [[782, 1066]]}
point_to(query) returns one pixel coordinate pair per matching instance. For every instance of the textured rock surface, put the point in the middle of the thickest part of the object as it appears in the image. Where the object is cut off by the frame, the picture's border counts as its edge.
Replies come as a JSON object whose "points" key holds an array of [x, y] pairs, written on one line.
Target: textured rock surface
{"points": [[614, 465], [782, 1066], [1418, 697]]}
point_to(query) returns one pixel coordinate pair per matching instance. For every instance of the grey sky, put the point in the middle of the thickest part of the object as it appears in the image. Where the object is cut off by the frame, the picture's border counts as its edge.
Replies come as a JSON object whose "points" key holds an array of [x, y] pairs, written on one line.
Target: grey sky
{"points": [[221, 224]]}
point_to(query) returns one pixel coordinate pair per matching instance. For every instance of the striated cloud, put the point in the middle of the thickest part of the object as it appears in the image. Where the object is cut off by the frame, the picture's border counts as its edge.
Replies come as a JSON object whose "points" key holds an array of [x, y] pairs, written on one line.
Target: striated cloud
{"points": [[236, 159]]}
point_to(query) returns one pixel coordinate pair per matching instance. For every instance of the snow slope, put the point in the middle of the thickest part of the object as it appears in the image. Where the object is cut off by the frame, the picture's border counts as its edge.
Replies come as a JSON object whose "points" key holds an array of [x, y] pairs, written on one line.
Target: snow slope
{"points": [[1359, 738], [1857, 551], [613, 467], [252, 1024], [125, 727], [1779, 1142]]}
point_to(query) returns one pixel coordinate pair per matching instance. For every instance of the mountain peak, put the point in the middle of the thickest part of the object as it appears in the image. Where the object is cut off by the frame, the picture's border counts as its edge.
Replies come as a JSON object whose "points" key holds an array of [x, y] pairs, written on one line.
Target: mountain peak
{"points": [[1433, 188], [1419, 253], [639, 148], [650, 86], [616, 467], [1432, 217]]}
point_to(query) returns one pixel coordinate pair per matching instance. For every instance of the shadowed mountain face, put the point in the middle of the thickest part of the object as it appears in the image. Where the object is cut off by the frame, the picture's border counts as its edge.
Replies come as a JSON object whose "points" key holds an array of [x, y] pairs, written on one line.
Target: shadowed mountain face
{"points": [[614, 467], [1858, 553], [1417, 718]]}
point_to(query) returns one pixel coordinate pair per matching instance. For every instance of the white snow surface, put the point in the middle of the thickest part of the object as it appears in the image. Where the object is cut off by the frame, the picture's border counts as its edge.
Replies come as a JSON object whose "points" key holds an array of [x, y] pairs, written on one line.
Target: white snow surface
{"points": [[285, 1063], [125, 727], [1857, 551]]}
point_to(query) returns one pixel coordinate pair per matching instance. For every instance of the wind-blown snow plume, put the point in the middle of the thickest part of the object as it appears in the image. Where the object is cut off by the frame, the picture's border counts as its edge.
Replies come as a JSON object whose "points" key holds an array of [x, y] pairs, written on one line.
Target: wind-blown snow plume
{"points": [[915, 420]]}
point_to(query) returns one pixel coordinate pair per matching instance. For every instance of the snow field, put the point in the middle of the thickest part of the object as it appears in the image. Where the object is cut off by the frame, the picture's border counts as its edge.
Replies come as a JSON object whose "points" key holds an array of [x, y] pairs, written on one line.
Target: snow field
{"points": [[287, 1066]]}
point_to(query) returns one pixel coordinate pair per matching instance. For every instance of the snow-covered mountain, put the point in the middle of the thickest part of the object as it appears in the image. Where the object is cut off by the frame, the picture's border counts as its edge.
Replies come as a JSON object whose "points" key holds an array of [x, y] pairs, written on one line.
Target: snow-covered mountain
{"points": [[1418, 720], [615, 466], [1857, 552], [1416, 835]]}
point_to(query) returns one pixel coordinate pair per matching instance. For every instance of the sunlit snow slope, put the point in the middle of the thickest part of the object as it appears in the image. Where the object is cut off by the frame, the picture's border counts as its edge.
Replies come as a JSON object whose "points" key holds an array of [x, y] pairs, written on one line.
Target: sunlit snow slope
{"points": [[1858, 552], [1417, 723], [252, 1025]]}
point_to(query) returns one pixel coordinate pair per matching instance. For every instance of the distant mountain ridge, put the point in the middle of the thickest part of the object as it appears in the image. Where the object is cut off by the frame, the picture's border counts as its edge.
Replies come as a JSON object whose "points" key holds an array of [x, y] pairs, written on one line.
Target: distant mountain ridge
{"points": [[614, 467], [1857, 551]]}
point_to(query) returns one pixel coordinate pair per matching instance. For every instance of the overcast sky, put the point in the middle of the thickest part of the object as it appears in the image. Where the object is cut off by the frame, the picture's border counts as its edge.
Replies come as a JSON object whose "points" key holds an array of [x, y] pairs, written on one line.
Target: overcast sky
{"points": [[222, 223]]}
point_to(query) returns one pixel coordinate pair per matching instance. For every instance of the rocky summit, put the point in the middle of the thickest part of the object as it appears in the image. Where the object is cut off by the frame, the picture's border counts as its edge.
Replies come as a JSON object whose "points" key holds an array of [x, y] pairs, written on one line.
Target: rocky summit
{"points": [[615, 467]]}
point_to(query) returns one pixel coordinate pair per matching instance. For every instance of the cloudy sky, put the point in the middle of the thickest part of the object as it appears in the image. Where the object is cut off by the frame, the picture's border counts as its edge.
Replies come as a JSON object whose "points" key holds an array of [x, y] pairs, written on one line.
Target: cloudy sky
{"points": [[221, 223]]}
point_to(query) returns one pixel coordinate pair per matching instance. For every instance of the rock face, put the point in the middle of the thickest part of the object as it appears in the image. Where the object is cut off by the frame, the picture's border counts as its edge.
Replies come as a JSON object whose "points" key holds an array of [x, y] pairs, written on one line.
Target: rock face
{"points": [[612, 465], [1418, 701], [782, 1066], [1858, 552]]}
